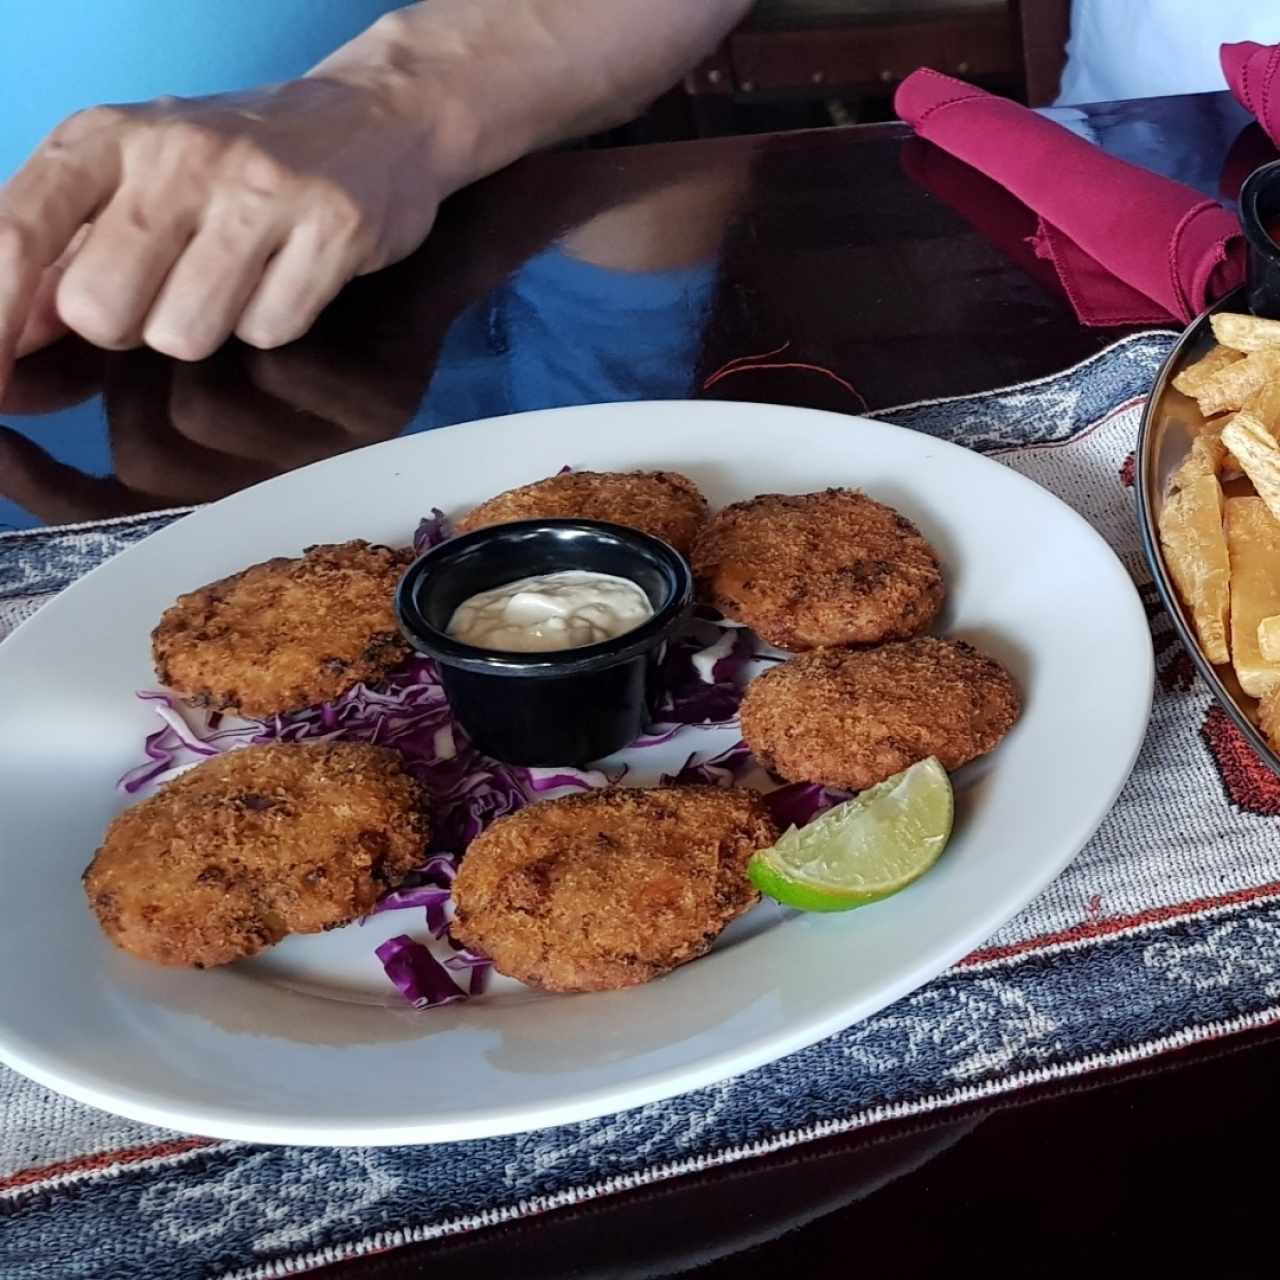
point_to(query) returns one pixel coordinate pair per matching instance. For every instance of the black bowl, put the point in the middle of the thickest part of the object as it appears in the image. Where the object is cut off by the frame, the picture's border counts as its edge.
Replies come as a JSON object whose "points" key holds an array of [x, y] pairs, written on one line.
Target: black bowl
{"points": [[568, 707], [1260, 218]]}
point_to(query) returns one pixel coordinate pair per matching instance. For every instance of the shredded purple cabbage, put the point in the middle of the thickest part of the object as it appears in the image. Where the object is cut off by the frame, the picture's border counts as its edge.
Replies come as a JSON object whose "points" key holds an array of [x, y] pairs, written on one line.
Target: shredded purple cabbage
{"points": [[417, 974], [704, 682], [708, 613], [432, 530], [797, 803], [721, 770], [430, 887], [170, 750], [423, 895], [659, 734]]}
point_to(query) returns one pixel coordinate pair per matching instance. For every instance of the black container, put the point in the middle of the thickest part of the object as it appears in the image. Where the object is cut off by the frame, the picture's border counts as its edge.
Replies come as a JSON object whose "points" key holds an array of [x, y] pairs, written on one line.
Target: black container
{"points": [[568, 707], [1260, 216]]}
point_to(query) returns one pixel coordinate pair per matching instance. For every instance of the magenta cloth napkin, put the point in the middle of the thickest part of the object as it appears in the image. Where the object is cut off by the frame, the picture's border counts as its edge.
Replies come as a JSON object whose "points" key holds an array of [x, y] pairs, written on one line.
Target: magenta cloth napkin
{"points": [[1128, 246], [1253, 72]]}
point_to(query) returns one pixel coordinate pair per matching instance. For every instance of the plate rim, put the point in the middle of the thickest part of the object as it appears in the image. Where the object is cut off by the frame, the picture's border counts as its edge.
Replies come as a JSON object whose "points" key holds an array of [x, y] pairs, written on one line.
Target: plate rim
{"points": [[239, 1124]]}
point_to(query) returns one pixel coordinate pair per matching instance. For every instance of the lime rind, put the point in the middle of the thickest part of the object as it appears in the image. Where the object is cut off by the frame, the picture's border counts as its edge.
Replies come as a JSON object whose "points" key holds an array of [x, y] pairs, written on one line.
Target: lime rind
{"points": [[864, 850]]}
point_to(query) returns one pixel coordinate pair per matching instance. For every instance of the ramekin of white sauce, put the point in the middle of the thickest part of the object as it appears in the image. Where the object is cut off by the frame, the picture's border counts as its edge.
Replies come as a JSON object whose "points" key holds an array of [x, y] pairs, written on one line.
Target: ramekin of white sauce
{"points": [[551, 611], [549, 635]]}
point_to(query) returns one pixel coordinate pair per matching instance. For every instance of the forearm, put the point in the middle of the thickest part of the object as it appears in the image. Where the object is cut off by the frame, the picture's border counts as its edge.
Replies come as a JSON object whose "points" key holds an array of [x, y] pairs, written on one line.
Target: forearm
{"points": [[495, 79]]}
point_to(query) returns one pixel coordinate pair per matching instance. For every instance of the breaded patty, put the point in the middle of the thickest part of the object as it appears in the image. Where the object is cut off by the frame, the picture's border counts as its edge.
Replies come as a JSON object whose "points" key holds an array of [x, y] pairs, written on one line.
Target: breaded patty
{"points": [[664, 504], [810, 569], [610, 888], [285, 634], [851, 718], [256, 844]]}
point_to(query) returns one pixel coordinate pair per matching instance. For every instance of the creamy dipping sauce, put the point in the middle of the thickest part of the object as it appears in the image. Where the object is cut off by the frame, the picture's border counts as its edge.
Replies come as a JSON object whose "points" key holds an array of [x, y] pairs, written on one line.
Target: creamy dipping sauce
{"points": [[552, 611]]}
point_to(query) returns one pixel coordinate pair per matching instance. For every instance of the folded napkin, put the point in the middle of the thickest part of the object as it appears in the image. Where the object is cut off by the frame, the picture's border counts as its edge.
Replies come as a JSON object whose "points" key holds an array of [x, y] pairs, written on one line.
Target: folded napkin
{"points": [[1251, 149], [1128, 246], [1253, 73]]}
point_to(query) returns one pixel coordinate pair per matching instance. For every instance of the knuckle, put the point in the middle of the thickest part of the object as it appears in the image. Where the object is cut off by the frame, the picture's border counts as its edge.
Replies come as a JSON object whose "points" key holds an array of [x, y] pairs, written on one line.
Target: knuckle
{"points": [[336, 215], [228, 241], [260, 174], [94, 318], [179, 343], [83, 123], [268, 332], [397, 29], [192, 142]]}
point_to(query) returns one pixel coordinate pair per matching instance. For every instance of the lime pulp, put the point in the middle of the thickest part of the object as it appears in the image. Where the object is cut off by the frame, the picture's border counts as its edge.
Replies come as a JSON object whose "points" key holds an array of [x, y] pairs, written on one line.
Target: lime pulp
{"points": [[865, 849]]}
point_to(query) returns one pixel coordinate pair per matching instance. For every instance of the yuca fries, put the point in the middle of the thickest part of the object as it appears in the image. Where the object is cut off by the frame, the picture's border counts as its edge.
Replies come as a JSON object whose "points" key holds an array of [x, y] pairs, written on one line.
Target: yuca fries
{"points": [[1195, 548], [1245, 333], [1253, 544], [1233, 384], [1191, 381], [1269, 638], [1206, 457], [1256, 449], [1224, 553]]}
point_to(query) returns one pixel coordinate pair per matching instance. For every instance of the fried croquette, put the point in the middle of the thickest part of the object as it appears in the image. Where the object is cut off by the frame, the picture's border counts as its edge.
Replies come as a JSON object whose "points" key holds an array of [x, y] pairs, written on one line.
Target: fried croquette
{"points": [[663, 504], [851, 718], [803, 570], [285, 634], [254, 845], [609, 889]]}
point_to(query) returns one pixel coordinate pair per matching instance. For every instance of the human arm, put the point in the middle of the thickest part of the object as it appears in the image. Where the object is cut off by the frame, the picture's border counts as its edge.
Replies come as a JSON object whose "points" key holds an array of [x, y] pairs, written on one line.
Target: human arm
{"points": [[246, 213]]}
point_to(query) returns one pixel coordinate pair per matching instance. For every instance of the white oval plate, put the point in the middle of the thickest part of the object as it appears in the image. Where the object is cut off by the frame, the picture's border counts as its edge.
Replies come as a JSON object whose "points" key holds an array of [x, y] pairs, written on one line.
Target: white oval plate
{"points": [[306, 1045]]}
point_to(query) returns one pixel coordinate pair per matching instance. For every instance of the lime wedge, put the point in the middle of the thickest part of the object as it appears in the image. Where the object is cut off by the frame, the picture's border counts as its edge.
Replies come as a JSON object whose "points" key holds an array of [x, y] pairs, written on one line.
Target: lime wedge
{"points": [[862, 850]]}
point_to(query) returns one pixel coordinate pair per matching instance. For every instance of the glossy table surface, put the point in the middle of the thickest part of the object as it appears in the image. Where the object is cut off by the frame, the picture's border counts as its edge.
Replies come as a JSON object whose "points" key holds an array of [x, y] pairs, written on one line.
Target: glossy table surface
{"points": [[594, 275], [602, 275]]}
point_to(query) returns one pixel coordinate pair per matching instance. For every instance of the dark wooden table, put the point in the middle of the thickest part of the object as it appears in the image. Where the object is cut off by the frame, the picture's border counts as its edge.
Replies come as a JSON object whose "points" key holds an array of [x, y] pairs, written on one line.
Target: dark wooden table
{"points": [[908, 277]]}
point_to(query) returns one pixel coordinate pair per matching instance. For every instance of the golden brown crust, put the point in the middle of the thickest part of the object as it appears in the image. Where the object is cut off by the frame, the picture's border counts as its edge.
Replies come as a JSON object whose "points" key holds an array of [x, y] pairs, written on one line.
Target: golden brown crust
{"points": [[804, 570], [609, 889], [256, 844], [852, 718], [285, 634], [664, 504]]}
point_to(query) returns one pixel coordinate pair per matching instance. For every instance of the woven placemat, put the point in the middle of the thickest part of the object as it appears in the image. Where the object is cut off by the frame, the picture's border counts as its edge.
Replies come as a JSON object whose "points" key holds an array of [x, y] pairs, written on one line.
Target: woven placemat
{"points": [[1165, 931]]}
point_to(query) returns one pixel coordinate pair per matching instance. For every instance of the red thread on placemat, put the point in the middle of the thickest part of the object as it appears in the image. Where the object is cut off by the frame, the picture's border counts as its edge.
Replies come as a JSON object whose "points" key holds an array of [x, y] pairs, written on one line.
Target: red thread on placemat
{"points": [[103, 1160], [1110, 925], [741, 364]]}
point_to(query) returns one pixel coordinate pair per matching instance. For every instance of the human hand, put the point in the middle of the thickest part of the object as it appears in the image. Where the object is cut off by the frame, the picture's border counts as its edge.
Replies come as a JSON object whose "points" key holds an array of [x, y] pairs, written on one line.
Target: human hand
{"points": [[178, 222], [183, 434]]}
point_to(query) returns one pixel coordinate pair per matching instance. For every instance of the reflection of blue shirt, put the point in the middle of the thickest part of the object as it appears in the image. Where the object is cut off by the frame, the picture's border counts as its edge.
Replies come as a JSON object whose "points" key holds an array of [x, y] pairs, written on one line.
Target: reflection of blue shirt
{"points": [[58, 56], [559, 332], [1186, 141], [563, 331]]}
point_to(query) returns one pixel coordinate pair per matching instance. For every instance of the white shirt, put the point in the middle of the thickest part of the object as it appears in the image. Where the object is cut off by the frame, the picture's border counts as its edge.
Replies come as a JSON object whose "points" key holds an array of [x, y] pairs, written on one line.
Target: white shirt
{"points": [[1150, 48]]}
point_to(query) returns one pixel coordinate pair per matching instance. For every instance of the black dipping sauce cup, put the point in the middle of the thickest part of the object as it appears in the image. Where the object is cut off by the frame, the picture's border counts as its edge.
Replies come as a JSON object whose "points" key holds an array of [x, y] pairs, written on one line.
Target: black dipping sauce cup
{"points": [[1260, 218], [569, 706]]}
